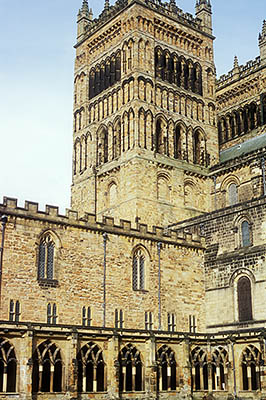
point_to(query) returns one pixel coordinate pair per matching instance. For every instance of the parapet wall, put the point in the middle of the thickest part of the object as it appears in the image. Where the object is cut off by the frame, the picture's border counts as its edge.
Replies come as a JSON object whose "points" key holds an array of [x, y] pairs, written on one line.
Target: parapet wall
{"points": [[238, 73], [166, 8], [184, 237]]}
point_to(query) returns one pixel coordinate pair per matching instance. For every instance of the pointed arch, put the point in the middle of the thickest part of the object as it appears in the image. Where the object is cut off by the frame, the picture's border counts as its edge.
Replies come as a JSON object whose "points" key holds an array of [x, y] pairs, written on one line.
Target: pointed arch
{"points": [[166, 363], [91, 369], [219, 368], [8, 367], [47, 371], [250, 365], [199, 362], [131, 369]]}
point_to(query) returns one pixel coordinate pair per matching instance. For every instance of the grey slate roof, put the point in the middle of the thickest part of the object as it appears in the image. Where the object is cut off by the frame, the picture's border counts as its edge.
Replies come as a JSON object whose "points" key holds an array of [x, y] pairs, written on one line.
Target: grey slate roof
{"points": [[244, 148]]}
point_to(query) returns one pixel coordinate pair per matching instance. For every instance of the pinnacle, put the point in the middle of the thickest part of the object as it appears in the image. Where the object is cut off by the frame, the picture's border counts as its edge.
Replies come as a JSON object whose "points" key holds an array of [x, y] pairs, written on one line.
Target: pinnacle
{"points": [[106, 4], [85, 5], [264, 28], [236, 65]]}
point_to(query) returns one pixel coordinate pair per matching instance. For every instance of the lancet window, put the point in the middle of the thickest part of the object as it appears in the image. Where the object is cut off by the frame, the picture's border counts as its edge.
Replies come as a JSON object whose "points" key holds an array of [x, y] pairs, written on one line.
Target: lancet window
{"points": [[166, 369], [91, 369], [86, 316], [245, 234], [47, 368], [8, 367], [14, 310], [102, 146], [232, 194], [250, 364], [46, 257], [131, 370], [244, 299], [138, 270]]}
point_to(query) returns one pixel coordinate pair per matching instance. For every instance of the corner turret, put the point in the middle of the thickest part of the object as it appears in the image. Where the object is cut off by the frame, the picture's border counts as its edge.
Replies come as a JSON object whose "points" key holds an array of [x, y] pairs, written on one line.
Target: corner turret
{"points": [[262, 44], [204, 12], [84, 18]]}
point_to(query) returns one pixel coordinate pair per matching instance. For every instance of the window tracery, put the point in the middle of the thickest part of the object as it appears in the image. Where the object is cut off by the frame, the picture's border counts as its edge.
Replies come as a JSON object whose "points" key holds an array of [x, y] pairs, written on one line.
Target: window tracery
{"points": [[138, 270], [250, 364], [91, 369], [46, 257], [131, 369], [166, 364], [8, 367], [47, 368]]}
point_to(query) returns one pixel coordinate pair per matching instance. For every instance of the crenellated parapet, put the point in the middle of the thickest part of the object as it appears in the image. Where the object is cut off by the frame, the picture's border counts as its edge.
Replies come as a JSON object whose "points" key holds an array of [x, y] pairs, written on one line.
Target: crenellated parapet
{"points": [[181, 237], [168, 9], [238, 72]]}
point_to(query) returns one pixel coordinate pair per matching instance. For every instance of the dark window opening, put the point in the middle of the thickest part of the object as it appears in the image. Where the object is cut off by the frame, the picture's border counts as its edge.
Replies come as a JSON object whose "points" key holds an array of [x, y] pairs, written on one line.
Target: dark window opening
{"points": [[130, 377], [90, 361], [244, 299]]}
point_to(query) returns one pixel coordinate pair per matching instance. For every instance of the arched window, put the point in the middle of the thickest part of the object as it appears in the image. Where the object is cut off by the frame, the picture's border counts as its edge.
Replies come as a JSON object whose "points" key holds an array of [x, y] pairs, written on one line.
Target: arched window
{"points": [[166, 375], [160, 140], [250, 364], [138, 270], [232, 194], [163, 188], [91, 369], [219, 370], [112, 194], [46, 257], [177, 143], [244, 299], [130, 376], [8, 367], [199, 369], [198, 152], [245, 234], [102, 146], [47, 368]]}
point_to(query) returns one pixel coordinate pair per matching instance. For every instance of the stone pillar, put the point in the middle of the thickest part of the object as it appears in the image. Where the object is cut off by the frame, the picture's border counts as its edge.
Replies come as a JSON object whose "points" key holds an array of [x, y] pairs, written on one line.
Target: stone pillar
{"points": [[5, 379], [150, 369], [51, 378], [71, 372], [185, 370], [112, 366], [25, 365]]}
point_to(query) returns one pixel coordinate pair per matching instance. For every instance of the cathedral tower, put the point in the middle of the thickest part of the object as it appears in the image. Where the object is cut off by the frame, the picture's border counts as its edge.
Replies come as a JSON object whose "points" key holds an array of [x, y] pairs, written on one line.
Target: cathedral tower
{"points": [[144, 111]]}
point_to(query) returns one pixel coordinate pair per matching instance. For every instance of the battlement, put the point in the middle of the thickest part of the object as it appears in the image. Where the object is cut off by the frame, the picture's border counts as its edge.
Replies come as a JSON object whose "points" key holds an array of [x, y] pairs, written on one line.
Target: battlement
{"points": [[238, 73], [183, 237], [168, 9]]}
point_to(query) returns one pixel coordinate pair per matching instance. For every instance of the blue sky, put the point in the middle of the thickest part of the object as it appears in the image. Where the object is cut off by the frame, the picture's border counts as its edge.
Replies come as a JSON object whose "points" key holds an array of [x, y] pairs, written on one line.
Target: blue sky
{"points": [[36, 83]]}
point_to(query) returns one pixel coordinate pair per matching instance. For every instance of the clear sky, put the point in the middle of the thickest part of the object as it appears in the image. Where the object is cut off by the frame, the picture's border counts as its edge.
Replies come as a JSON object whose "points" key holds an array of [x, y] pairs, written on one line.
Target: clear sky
{"points": [[36, 83]]}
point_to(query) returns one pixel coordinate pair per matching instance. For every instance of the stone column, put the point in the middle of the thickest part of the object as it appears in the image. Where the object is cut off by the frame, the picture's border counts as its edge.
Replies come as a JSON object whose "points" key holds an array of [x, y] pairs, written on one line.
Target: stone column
{"points": [[185, 370], [150, 369], [112, 366], [71, 368], [25, 365]]}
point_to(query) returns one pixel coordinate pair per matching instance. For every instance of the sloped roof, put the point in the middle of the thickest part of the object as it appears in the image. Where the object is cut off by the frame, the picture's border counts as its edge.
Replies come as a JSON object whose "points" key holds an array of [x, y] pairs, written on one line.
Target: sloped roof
{"points": [[241, 149]]}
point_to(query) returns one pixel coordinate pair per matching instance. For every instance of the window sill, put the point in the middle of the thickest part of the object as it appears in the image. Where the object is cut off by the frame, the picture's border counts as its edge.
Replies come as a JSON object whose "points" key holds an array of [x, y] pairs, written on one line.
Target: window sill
{"points": [[48, 282]]}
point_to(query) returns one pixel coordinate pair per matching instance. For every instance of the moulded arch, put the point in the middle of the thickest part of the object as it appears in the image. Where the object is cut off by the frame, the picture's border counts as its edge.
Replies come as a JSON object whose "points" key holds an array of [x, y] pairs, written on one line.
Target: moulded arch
{"points": [[237, 274], [56, 238], [143, 248], [228, 180]]}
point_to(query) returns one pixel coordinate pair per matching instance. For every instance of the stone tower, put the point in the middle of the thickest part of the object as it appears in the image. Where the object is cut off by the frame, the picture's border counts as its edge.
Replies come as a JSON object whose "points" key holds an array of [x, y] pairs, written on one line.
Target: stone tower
{"points": [[144, 111]]}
